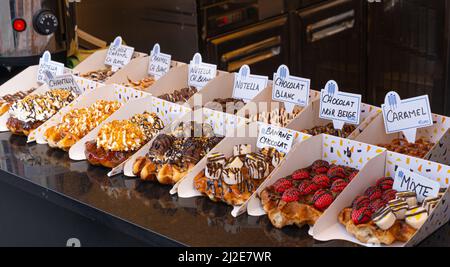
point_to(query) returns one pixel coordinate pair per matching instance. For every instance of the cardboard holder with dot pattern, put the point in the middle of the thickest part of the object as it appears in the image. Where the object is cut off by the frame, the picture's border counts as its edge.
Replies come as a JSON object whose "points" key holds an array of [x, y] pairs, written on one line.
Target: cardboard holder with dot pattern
{"points": [[108, 93], [309, 118], [375, 132], [246, 134], [220, 122], [166, 111], [328, 227]]}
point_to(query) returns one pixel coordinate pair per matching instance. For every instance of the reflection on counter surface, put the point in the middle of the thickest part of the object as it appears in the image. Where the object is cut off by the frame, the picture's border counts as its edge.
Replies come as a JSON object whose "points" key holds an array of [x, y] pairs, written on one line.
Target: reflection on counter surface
{"points": [[193, 221]]}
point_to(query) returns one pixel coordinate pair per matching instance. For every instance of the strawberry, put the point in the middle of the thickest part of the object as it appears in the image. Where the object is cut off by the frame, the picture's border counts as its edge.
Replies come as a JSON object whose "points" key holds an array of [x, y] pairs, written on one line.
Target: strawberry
{"points": [[336, 171], [302, 187], [338, 185], [385, 183], [352, 175], [322, 180], [322, 199], [290, 195], [360, 201], [282, 185], [301, 174], [320, 166], [373, 193], [388, 195], [311, 188], [361, 215], [376, 205]]}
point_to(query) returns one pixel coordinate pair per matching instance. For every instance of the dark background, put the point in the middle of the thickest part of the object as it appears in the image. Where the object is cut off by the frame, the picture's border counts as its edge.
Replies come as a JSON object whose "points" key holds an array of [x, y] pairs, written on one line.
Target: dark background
{"points": [[397, 45]]}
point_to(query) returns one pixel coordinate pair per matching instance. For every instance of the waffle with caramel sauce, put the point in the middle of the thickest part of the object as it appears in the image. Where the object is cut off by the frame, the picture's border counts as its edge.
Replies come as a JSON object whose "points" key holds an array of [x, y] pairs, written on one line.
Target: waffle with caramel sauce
{"points": [[140, 85], [117, 140], [79, 122]]}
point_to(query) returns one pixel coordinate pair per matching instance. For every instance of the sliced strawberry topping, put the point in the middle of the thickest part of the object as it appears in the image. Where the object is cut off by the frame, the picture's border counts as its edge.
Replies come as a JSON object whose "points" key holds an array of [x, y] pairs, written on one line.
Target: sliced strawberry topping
{"points": [[376, 205], [322, 199], [320, 166], [301, 174], [322, 181], [361, 215], [385, 183], [290, 195], [282, 185], [338, 185], [336, 171], [389, 195], [361, 201]]}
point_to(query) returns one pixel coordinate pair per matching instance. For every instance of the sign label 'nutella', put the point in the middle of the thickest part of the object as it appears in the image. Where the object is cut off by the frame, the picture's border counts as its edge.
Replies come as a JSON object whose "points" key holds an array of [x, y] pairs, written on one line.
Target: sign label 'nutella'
{"points": [[247, 86]]}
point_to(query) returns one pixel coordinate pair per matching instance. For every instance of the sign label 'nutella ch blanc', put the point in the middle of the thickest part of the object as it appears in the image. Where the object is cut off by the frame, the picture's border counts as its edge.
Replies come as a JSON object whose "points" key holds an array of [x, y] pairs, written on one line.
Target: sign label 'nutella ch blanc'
{"points": [[200, 73], [406, 115], [48, 65], [290, 89], [338, 106], [247, 86]]}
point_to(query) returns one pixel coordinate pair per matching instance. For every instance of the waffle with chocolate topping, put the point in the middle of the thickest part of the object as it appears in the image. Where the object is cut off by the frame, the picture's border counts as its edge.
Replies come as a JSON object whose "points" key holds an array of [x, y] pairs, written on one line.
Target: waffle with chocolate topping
{"points": [[181, 95], [7, 100], [98, 75], [229, 105], [172, 156], [233, 180], [142, 84], [118, 140], [79, 122], [278, 117], [302, 197], [329, 129], [419, 149], [32, 111]]}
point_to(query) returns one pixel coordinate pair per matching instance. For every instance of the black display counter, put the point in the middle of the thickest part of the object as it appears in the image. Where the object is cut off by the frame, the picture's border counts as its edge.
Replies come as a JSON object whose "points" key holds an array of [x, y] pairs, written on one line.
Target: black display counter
{"points": [[124, 211]]}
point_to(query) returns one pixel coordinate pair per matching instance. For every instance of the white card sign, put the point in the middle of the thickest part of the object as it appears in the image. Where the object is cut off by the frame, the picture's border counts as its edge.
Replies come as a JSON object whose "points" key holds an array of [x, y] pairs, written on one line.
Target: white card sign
{"points": [[247, 86], [66, 81], [159, 63], [338, 106], [406, 180], [406, 115], [47, 65], [118, 55], [290, 89], [279, 138], [200, 73]]}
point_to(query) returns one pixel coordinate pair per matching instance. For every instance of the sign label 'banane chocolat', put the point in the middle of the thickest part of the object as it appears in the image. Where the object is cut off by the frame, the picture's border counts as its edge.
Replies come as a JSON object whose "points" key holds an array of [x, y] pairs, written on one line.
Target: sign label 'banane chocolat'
{"points": [[279, 138]]}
